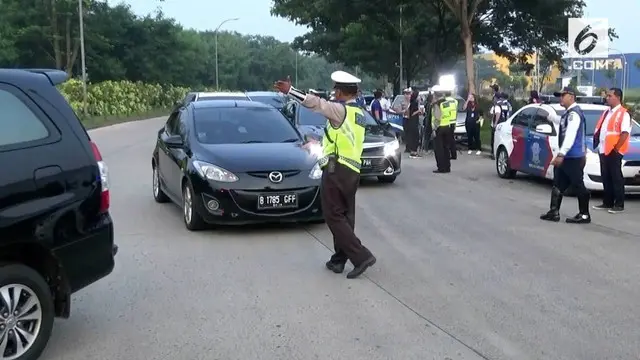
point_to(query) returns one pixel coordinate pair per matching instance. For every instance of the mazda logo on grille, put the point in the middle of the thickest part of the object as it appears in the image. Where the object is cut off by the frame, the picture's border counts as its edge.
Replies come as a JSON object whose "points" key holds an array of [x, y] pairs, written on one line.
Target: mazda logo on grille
{"points": [[275, 177]]}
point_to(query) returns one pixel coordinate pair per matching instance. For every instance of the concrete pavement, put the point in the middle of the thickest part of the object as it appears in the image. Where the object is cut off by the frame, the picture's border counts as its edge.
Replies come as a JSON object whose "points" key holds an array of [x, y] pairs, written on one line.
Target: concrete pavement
{"points": [[465, 271]]}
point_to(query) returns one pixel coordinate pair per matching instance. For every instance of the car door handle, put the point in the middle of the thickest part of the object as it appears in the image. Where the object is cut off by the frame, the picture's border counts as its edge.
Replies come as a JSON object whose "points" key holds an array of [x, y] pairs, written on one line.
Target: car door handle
{"points": [[49, 181]]}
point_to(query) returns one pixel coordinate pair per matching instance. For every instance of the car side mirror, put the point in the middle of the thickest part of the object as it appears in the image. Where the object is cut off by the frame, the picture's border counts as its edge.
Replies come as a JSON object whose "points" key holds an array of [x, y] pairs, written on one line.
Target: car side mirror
{"points": [[544, 129], [174, 141]]}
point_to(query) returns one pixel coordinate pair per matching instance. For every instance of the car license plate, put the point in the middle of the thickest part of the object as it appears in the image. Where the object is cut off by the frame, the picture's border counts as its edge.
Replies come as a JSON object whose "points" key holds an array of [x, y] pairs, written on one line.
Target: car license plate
{"points": [[277, 201], [366, 162]]}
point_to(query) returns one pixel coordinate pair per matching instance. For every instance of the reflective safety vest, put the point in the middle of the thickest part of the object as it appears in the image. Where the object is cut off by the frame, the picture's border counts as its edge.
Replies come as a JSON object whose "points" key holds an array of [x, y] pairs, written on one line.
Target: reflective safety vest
{"points": [[613, 131], [345, 142], [449, 111]]}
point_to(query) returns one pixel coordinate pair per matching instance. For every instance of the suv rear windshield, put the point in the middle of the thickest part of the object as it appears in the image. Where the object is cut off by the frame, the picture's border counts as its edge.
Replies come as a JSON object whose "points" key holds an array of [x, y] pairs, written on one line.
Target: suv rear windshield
{"points": [[237, 125], [222, 98]]}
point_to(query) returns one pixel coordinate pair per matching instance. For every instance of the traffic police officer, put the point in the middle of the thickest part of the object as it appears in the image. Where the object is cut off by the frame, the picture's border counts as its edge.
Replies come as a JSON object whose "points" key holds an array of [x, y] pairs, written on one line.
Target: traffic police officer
{"points": [[569, 163], [443, 116], [452, 146], [342, 147]]}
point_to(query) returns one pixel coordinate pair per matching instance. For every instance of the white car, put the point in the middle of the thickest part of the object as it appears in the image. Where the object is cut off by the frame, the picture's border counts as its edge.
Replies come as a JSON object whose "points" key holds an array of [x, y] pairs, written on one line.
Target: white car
{"points": [[528, 141]]}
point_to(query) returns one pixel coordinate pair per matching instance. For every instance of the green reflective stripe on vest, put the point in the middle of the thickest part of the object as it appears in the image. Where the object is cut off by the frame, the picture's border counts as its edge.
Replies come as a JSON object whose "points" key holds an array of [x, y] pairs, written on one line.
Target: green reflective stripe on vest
{"points": [[348, 140], [449, 110]]}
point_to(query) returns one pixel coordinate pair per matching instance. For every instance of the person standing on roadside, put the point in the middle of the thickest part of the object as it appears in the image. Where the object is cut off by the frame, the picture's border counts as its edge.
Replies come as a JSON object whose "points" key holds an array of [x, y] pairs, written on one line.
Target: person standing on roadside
{"points": [[376, 106], [568, 165], [342, 147], [427, 139], [472, 125], [384, 103], [534, 97], [611, 139], [412, 127], [360, 100], [443, 114], [403, 110], [451, 144]]}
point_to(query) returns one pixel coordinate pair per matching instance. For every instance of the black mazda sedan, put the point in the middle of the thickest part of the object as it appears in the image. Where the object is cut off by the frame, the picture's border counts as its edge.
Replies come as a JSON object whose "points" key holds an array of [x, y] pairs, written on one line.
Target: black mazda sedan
{"points": [[235, 162], [381, 155]]}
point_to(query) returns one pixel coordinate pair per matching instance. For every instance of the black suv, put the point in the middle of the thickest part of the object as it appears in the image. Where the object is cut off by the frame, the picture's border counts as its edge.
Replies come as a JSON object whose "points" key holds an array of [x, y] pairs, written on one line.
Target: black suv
{"points": [[56, 231]]}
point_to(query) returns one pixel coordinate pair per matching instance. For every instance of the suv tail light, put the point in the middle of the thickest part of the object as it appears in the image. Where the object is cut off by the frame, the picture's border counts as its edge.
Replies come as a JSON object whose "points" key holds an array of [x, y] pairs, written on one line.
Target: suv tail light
{"points": [[104, 179]]}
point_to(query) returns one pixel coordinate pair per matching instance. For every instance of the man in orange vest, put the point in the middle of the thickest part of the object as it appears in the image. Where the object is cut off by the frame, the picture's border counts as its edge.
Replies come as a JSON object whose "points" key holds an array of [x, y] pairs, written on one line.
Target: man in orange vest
{"points": [[611, 139]]}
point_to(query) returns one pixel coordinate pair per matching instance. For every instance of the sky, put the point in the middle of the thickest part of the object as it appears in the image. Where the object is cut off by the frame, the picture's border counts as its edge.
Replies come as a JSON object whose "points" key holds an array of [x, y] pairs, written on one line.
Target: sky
{"points": [[254, 17]]}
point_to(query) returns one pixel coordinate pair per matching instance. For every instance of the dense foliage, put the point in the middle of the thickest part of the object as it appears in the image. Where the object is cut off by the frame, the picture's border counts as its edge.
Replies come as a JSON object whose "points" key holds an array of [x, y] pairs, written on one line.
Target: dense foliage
{"points": [[153, 49], [434, 33]]}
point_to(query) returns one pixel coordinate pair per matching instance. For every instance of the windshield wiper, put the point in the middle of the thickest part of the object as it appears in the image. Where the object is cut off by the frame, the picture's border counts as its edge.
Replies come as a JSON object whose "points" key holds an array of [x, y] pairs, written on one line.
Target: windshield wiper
{"points": [[253, 142], [290, 140]]}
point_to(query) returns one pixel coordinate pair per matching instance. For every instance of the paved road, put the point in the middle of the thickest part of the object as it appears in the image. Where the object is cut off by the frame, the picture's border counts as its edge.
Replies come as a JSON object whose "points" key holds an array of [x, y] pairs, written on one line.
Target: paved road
{"points": [[466, 271]]}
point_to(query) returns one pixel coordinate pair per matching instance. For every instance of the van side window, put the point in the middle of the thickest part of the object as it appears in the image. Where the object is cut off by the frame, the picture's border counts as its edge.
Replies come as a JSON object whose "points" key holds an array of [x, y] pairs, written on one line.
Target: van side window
{"points": [[18, 124]]}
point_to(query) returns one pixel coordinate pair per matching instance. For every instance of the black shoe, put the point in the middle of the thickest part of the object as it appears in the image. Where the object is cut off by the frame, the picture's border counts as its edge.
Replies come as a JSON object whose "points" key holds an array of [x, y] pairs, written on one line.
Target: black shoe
{"points": [[337, 268], [601, 207], [358, 270], [551, 215], [554, 207], [579, 219], [616, 210], [454, 158], [438, 171]]}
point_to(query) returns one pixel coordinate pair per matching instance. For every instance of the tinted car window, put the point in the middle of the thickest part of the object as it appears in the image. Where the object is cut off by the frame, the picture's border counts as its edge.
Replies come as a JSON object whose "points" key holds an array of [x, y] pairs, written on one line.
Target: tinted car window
{"points": [[522, 118], [243, 126], [275, 101], [309, 117], [592, 117], [221, 98], [18, 124]]}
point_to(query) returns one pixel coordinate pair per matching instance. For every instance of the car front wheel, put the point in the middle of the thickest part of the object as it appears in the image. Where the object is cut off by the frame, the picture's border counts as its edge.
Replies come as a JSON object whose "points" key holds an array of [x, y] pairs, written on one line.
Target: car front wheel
{"points": [[158, 195], [26, 312], [192, 219], [503, 166]]}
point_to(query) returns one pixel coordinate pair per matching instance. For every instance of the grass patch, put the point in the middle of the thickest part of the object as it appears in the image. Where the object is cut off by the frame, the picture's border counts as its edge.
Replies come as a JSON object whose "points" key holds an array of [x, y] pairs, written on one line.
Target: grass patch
{"points": [[93, 122]]}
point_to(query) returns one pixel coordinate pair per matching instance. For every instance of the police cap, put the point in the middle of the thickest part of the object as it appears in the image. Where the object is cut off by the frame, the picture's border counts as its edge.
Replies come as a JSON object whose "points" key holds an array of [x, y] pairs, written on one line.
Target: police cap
{"points": [[344, 78]]}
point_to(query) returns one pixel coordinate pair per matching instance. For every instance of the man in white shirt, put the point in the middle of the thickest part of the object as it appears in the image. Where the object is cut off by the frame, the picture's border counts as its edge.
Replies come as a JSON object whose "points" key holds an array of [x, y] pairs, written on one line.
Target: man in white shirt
{"points": [[611, 140], [496, 112], [385, 104], [568, 165]]}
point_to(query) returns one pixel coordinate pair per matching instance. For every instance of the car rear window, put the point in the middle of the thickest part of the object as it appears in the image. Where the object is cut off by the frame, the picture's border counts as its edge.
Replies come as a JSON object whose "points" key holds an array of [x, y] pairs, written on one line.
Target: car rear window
{"points": [[592, 117], [273, 100], [237, 125], [222, 98], [18, 123]]}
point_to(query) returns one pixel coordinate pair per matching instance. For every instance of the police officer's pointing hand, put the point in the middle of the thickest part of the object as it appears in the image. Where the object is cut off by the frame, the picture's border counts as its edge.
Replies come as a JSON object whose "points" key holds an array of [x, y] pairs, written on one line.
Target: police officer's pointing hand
{"points": [[283, 85]]}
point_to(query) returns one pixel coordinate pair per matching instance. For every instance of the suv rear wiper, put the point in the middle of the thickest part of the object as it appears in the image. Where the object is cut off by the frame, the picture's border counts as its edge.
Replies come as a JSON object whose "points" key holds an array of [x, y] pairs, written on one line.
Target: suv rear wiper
{"points": [[253, 142], [290, 140]]}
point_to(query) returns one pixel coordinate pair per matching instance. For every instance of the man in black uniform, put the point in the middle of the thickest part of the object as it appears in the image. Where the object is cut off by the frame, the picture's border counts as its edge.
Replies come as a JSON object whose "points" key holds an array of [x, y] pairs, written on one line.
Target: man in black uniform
{"points": [[344, 134], [569, 162]]}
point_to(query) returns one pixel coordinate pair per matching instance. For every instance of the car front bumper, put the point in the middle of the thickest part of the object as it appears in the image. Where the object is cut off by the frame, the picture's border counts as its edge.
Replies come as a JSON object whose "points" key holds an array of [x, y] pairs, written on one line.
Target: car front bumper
{"points": [[381, 165], [593, 180], [221, 205]]}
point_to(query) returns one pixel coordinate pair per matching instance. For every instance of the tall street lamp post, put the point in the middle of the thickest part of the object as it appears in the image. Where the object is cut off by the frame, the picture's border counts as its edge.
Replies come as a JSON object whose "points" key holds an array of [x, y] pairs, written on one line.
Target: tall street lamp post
{"points": [[216, 45]]}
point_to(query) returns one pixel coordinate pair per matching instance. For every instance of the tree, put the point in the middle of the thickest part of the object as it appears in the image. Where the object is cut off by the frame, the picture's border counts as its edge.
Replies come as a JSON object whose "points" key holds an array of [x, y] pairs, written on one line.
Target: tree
{"points": [[369, 34], [152, 49], [507, 26]]}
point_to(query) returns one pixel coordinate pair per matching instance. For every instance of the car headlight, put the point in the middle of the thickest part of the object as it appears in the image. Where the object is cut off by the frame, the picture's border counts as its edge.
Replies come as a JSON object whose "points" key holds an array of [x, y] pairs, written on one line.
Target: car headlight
{"points": [[390, 148], [214, 173], [316, 172], [315, 150], [593, 157]]}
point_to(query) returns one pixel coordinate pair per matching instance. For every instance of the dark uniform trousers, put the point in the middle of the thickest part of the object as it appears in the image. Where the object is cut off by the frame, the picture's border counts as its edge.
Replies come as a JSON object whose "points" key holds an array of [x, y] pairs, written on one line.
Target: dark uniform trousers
{"points": [[453, 147], [442, 147], [612, 179], [570, 173], [338, 196]]}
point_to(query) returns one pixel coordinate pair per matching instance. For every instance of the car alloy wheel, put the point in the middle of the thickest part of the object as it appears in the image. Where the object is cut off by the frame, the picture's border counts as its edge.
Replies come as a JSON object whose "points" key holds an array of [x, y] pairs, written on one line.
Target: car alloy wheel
{"points": [[187, 205], [158, 194], [502, 163], [21, 317]]}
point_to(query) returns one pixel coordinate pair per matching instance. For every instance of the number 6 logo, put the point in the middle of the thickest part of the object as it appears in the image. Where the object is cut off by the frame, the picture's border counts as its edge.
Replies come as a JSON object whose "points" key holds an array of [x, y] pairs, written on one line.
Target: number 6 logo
{"points": [[585, 34]]}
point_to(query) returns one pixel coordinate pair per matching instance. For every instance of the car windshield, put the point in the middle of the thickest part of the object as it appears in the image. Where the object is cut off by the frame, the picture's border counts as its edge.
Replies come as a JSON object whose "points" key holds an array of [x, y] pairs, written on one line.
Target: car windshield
{"points": [[312, 118], [222, 98], [592, 117], [273, 100], [238, 125]]}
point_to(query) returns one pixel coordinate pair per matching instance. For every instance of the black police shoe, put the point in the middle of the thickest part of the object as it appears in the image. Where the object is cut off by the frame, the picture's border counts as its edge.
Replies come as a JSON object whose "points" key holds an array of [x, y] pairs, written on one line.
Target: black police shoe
{"points": [[358, 270], [337, 268], [579, 219], [550, 215]]}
